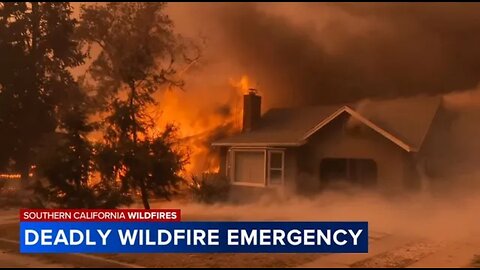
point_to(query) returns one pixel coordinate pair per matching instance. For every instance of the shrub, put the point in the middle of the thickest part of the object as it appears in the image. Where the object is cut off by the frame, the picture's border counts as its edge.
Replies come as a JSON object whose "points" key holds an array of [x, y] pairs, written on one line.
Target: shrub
{"points": [[11, 195], [210, 188]]}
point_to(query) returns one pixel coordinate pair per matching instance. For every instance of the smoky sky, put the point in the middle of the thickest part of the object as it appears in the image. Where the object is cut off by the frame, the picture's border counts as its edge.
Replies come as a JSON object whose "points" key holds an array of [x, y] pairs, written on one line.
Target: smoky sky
{"points": [[320, 53]]}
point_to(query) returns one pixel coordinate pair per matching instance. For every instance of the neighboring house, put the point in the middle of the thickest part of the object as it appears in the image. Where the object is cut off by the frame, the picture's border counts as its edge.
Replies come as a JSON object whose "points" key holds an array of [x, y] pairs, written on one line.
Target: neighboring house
{"points": [[385, 144]]}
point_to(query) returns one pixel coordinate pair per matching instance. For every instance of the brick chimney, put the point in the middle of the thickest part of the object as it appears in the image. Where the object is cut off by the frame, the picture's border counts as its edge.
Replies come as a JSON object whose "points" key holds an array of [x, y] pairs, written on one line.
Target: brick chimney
{"points": [[251, 110]]}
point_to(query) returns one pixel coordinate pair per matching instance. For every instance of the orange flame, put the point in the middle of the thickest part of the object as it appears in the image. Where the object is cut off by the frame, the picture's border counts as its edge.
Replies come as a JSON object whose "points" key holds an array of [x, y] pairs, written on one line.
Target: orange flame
{"points": [[201, 120], [10, 176], [243, 84], [201, 116]]}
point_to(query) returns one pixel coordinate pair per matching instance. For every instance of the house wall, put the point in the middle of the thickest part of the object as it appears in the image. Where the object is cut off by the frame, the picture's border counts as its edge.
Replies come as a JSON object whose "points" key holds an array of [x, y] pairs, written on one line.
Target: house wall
{"points": [[345, 138], [436, 148], [291, 170], [441, 162], [223, 160]]}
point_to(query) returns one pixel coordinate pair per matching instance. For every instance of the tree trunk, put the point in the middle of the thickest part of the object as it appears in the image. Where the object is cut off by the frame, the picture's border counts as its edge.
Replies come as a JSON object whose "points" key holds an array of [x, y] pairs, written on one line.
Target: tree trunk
{"points": [[143, 188], [25, 166]]}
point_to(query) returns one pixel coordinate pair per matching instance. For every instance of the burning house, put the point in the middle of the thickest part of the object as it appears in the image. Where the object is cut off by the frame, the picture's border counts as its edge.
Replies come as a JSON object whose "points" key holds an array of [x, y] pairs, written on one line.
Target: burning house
{"points": [[388, 145]]}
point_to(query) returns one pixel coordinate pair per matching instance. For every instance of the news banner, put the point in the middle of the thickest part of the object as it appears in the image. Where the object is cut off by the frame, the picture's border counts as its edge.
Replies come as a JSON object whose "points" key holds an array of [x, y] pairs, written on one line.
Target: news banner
{"points": [[162, 231]]}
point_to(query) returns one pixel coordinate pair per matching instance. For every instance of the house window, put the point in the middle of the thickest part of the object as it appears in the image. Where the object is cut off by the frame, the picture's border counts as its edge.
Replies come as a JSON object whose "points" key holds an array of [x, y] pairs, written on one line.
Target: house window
{"points": [[257, 167], [275, 167], [249, 167]]}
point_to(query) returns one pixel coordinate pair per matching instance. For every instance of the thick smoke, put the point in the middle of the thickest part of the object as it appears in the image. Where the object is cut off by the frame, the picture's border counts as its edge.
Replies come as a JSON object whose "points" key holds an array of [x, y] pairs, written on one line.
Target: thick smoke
{"points": [[322, 53], [414, 216], [318, 53]]}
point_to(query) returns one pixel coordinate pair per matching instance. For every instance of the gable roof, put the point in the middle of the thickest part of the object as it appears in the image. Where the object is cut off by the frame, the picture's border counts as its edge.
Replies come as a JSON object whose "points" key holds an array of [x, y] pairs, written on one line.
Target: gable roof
{"points": [[404, 121]]}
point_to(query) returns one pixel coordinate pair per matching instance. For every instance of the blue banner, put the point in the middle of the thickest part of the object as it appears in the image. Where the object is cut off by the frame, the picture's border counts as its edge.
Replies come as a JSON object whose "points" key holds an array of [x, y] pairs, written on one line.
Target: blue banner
{"points": [[194, 237]]}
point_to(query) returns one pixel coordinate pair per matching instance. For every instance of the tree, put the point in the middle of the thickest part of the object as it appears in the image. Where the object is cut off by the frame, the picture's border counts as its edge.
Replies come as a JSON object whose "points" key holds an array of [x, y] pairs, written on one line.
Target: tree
{"points": [[37, 48], [65, 159], [139, 53]]}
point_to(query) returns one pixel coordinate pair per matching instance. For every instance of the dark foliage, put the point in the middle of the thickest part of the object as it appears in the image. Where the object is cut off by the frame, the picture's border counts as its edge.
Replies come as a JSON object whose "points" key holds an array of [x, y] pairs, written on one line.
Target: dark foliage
{"points": [[210, 188], [37, 48]]}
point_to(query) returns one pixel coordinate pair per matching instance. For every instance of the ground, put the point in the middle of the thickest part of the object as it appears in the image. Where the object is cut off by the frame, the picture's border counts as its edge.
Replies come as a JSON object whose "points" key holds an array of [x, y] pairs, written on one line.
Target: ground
{"points": [[393, 248]]}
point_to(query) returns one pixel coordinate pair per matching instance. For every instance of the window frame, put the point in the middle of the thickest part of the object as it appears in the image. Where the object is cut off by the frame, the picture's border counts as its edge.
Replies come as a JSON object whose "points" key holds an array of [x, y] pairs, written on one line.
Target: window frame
{"points": [[269, 167], [231, 161]]}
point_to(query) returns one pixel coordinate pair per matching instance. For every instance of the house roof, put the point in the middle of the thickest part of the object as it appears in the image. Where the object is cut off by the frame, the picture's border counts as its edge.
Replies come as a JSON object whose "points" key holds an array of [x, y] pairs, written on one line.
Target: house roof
{"points": [[404, 121]]}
